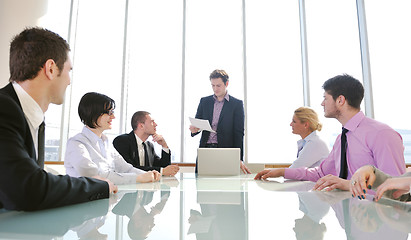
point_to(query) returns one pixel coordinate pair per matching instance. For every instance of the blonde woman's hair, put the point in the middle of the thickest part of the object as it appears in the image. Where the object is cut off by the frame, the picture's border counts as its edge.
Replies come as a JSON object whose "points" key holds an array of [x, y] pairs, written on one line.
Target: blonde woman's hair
{"points": [[306, 114]]}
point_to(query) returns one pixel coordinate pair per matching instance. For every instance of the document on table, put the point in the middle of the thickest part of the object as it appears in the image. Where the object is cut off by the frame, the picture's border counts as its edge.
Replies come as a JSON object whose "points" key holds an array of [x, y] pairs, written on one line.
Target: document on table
{"points": [[201, 124]]}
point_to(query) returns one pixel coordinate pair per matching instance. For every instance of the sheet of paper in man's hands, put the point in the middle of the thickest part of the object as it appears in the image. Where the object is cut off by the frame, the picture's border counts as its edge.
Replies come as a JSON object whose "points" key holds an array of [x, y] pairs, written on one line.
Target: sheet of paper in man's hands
{"points": [[201, 124]]}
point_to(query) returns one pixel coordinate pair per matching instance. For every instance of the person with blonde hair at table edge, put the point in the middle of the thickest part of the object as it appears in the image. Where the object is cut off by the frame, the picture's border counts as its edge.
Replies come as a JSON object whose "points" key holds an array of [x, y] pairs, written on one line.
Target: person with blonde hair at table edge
{"points": [[312, 150]]}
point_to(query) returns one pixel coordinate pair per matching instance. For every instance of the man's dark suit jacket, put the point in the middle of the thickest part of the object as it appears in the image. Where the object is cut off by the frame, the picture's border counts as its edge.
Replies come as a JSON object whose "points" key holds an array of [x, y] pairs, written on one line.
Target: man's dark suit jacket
{"points": [[24, 185], [126, 145], [230, 128]]}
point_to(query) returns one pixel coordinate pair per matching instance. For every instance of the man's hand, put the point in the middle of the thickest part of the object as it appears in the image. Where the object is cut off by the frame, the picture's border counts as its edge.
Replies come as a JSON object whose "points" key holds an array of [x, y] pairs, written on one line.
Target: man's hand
{"points": [[331, 182], [160, 140], [276, 172], [402, 186], [170, 170], [244, 168], [194, 129], [150, 176], [112, 188]]}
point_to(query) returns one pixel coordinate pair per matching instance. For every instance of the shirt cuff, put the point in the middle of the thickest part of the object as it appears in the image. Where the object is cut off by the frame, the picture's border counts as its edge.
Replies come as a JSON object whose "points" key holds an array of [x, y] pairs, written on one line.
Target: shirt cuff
{"points": [[167, 150], [161, 171]]}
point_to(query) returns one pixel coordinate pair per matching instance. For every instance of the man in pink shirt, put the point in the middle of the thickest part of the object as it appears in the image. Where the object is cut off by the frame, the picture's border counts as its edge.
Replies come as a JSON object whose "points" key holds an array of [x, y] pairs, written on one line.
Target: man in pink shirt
{"points": [[368, 142]]}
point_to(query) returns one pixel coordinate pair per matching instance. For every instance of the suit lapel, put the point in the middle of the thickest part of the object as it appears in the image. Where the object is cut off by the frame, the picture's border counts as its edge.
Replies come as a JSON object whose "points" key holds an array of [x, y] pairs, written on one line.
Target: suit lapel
{"points": [[211, 109], [134, 151], [9, 90]]}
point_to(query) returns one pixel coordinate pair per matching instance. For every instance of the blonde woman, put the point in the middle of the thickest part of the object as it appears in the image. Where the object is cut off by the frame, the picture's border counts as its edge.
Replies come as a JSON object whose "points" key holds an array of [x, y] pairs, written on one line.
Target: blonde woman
{"points": [[311, 149]]}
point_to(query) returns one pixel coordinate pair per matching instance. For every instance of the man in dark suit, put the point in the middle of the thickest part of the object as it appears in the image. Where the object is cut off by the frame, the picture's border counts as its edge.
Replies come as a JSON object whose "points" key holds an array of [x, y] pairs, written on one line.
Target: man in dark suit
{"points": [[139, 152], [226, 116], [39, 75]]}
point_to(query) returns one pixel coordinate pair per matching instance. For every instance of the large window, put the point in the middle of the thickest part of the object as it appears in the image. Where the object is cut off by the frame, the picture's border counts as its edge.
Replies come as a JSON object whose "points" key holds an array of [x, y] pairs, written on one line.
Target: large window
{"points": [[153, 67], [213, 41], [333, 49], [56, 19], [157, 56], [389, 38], [274, 80], [98, 56]]}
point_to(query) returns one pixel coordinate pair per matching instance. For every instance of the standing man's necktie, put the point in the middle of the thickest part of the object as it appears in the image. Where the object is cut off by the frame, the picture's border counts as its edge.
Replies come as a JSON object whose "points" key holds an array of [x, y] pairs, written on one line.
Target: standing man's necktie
{"points": [[40, 142], [344, 166], [146, 162]]}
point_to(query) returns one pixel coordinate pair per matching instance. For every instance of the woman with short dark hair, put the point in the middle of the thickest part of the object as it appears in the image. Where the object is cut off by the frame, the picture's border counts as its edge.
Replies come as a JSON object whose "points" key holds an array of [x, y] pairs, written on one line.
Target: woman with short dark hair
{"points": [[90, 154]]}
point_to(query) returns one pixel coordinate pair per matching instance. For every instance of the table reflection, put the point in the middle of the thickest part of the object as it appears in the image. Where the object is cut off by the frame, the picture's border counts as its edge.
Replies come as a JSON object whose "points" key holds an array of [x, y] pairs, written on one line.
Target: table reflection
{"points": [[222, 216], [51, 223], [134, 206], [216, 208], [309, 226], [360, 220]]}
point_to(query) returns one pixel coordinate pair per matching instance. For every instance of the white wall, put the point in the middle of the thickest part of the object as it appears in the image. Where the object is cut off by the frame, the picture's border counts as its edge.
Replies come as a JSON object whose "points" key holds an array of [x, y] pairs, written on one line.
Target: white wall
{"points": [[15, 15]]}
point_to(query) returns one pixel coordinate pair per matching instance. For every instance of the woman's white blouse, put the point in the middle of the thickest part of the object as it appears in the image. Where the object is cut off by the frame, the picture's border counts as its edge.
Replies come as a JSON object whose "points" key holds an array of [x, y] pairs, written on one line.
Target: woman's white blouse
{"points": [[313, 152], [89, 155]]}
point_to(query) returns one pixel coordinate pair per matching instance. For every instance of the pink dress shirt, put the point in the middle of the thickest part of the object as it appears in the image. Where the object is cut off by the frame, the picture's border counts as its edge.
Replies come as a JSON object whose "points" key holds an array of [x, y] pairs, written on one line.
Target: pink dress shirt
{"points": [[369, 142]]}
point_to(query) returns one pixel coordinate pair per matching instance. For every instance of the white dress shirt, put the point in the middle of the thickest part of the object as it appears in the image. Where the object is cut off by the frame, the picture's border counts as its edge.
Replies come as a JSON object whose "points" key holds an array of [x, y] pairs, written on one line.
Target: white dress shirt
{"points": [[141, 153], [313, 151], [140, 147], [89, 155], [32, 111]]}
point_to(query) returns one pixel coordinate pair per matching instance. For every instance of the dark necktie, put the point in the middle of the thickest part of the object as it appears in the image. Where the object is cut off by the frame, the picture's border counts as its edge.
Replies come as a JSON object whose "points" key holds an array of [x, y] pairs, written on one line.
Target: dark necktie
{"points": [[40, 142], [344, 166], [146, 162]]}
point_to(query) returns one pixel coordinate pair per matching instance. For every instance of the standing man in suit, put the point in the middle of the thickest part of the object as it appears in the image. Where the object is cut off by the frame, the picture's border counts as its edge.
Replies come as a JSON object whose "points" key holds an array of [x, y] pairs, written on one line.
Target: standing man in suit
{"points": [[39, 75], [139, 152], [226, 116]]}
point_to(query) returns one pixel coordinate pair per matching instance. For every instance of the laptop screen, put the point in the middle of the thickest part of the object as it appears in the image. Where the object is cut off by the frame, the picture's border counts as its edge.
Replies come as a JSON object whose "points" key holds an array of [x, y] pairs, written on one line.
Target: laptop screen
{"points": [[218, 161]]}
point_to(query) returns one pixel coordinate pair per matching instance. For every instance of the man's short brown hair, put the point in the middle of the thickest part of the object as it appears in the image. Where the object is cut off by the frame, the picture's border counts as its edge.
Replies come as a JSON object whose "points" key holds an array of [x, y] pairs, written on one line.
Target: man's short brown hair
{"points": [[138, 117], [31, 49], [219, 74]]}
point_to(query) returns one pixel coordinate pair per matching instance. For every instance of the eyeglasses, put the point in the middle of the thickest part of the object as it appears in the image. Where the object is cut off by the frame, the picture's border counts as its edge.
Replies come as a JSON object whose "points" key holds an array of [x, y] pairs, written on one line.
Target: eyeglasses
{"points": [[109, 112]]}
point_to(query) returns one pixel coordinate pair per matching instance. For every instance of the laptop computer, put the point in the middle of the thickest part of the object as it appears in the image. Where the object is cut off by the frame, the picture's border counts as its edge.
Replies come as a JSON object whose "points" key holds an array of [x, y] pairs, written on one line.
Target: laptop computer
{"points": [[218, 161]]}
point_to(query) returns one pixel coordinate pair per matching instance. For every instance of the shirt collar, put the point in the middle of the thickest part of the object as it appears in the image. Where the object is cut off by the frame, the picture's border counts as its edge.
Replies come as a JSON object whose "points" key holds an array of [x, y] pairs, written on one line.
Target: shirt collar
{"points": [[31, 108], [353, 123], [226, 97], [92, 136], [139, 141], [311, 136], [301, 143]]}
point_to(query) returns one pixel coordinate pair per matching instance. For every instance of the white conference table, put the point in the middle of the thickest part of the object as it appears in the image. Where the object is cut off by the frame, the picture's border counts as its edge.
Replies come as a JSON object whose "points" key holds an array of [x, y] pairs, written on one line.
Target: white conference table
{"points": [[190, 207]]}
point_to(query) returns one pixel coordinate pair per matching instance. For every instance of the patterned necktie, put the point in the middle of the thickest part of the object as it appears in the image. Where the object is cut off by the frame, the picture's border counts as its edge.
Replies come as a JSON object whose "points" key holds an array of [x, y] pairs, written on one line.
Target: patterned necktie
{"points": [[40, 142], [344, 166]]}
